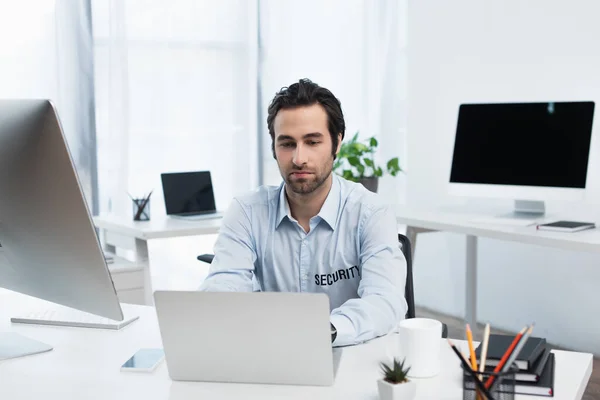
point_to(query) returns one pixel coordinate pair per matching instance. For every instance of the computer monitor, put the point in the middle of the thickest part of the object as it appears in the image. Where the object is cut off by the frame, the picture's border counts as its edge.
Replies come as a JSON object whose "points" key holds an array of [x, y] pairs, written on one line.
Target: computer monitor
{"points": [[49, 248], [529, 152]]}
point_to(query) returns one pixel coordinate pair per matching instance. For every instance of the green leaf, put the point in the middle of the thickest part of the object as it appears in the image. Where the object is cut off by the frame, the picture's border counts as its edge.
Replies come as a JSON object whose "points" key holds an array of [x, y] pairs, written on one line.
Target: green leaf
{"points": [[368, 162], [393, 167], [378, 171], [347, 174], [373, 142], [354, 161], [361, 169]]}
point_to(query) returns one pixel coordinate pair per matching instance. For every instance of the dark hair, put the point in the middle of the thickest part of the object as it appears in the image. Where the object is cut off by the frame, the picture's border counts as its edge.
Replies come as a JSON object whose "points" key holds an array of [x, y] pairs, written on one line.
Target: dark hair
{"points": [[306, 93]]}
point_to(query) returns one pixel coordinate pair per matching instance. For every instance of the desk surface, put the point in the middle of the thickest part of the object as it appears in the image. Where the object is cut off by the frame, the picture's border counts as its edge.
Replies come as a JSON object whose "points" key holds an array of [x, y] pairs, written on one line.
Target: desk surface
{"points": [[462, 221], [85, 364], [158, 227]]}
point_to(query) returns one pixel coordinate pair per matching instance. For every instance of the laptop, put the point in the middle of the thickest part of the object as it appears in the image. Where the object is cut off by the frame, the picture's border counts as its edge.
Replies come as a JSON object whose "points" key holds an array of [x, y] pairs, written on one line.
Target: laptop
{"points": [[247, 337], [189, 195]]}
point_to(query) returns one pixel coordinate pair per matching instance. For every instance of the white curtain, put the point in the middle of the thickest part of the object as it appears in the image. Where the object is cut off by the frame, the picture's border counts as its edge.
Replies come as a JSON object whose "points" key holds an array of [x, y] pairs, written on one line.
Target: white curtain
{"points": [[355, 48], [46, 52], [176, 91]]}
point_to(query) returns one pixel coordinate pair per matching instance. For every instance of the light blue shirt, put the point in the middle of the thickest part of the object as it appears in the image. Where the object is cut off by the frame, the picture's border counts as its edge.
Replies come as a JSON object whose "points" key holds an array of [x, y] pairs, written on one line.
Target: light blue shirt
{"points": [[351, 253]]}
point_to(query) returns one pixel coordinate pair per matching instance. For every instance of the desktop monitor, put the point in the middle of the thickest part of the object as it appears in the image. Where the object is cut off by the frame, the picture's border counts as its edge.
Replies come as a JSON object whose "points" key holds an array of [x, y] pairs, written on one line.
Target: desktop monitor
{"points": [[49, 248], [529, 152]]}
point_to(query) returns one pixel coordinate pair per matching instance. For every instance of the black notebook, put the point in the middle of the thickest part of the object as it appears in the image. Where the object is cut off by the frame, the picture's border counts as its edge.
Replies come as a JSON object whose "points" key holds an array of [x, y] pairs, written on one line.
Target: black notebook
{"points": [[566, 226], [534, 374], [498, 344]]}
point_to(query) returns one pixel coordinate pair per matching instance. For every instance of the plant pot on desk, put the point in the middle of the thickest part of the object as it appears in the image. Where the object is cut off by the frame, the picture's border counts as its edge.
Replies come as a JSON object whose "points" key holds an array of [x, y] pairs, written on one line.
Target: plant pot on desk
{"points": [[371, 183], [396, 391]]}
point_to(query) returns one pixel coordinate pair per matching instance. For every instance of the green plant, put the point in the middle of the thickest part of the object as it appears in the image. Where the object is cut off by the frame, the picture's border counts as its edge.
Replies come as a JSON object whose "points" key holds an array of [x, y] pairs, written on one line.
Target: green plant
{"points": [[395, 373], [356, 160]]}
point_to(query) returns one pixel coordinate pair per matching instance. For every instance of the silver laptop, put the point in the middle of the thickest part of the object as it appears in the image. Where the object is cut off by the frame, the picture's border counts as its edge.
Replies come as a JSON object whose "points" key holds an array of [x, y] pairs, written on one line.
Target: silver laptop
{"points": [[189, 195], [272, 337]]}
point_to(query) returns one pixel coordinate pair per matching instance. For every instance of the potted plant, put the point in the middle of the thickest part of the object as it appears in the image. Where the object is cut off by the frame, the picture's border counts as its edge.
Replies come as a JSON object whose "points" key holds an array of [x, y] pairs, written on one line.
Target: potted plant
{"points": [[395, 385], [356, 162]]}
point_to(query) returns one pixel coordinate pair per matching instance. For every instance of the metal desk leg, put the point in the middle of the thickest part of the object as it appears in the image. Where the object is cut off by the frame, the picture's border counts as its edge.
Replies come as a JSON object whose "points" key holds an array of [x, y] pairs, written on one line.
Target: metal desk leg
{"points": [[411, 234], [141, 257], [471, 282]]}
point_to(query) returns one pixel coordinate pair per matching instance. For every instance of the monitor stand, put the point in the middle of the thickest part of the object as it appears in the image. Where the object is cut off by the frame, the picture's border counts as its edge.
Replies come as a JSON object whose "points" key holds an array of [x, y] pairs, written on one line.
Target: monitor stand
{"points": [[526, 210], [14, 345]]}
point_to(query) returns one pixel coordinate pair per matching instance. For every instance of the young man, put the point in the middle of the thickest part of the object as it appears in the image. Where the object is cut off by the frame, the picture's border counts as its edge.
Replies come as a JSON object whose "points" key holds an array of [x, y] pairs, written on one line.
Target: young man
{"points": [[316, 232]]}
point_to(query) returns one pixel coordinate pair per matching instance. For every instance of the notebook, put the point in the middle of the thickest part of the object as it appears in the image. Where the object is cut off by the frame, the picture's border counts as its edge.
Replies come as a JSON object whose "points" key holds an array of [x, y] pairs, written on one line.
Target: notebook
{"points": [[498, 344], [566, 226], [534, 374]]}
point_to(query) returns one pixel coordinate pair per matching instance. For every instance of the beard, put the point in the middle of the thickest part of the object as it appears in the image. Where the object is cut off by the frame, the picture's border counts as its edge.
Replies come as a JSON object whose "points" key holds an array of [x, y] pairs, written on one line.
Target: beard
{"points": [[309, 184]]}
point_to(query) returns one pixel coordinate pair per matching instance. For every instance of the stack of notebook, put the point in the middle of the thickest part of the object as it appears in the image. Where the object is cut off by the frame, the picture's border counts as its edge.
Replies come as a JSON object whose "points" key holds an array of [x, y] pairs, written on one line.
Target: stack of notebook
{"points": [[535, 363]]}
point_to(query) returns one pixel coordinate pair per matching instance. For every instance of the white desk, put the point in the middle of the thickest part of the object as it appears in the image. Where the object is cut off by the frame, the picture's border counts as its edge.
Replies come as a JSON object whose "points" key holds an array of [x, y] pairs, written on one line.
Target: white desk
{"points": [[126, 234], [85, 364], [419, 221]]}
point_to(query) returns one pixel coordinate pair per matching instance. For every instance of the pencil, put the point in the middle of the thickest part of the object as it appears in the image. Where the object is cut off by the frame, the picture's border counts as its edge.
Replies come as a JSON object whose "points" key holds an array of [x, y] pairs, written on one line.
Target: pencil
{"points": [[518, 349], [484, 348], [500, 365], [471, 348], [471, 372]]}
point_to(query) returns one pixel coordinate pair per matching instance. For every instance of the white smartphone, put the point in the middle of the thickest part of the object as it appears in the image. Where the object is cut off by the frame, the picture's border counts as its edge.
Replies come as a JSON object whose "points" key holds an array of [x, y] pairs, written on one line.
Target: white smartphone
{"points": [[144, 360]]}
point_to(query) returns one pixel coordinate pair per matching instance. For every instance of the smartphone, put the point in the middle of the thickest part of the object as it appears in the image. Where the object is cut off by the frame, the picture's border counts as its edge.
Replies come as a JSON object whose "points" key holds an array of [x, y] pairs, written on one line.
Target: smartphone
{"points": [[144, 360]]}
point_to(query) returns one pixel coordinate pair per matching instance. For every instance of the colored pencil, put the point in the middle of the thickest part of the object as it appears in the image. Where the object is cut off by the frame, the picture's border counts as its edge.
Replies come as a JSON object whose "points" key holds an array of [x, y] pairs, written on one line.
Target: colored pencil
{"points": [[500, 365], [471, 348]]}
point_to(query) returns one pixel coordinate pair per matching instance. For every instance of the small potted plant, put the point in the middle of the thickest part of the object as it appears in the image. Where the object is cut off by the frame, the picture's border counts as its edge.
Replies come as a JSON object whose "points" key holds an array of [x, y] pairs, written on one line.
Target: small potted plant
{"points": [[395, 385], [356, 162]]}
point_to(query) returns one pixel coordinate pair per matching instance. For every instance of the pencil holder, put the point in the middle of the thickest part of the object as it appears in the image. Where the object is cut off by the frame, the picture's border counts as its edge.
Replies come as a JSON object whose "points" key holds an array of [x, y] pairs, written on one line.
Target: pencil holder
{"points": [[503, 387], [141, 209]]}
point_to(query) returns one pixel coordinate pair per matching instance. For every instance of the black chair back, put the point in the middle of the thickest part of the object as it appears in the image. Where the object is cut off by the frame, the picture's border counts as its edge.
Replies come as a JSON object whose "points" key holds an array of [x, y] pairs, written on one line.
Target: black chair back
{"points": [[409, 292]]}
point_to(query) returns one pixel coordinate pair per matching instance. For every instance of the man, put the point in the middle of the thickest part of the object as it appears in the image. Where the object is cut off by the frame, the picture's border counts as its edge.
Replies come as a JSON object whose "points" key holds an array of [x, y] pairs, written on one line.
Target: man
{"points": [[316, 232]]}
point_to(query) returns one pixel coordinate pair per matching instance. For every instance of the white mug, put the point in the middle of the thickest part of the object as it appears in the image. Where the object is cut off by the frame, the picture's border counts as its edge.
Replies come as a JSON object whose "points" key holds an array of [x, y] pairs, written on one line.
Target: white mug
{"points": [[419, 343]]}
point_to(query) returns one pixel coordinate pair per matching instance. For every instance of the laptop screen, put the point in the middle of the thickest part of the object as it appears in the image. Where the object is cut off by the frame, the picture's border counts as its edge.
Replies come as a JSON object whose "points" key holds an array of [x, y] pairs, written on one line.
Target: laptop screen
{"points": [[188, 192]]}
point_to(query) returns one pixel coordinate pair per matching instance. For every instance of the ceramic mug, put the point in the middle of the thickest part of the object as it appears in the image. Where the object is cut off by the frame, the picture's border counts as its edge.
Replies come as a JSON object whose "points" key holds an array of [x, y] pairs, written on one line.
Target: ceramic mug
{"points": [[419, 344]]}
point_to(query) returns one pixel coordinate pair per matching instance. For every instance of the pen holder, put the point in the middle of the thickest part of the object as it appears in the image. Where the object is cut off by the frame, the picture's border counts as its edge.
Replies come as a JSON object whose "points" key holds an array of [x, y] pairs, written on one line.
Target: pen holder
{"points": [[503, 387], [141, 209]]}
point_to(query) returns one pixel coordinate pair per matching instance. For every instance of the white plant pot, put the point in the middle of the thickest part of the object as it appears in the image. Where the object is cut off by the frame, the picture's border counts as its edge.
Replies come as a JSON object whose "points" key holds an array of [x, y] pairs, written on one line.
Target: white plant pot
{"points": [[399, 391]]}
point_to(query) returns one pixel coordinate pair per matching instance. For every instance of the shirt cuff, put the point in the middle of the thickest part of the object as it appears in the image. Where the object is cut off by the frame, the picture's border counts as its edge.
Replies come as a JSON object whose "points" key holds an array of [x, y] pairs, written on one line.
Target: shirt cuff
{"points": [[345, 330]]}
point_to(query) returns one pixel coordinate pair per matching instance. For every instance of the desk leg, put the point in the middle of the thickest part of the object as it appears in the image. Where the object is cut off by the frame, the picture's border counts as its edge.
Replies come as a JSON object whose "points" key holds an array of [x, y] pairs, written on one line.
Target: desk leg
{"points": [[411, 234], [471, 282], [141, 256]]}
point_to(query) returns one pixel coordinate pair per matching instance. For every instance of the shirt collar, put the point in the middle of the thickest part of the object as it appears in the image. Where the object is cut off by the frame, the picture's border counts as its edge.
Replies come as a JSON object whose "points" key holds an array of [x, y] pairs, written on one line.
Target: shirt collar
{"points": [[328, 212]]}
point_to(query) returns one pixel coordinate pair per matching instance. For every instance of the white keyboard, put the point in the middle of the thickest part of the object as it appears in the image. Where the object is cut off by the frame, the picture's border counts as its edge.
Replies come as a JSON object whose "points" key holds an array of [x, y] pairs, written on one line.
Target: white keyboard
{"points": [[75, 318]]}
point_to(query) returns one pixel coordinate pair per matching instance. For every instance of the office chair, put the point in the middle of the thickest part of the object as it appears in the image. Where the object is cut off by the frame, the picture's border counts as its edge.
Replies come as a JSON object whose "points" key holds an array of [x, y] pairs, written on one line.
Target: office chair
{"points": [[409, 293]]}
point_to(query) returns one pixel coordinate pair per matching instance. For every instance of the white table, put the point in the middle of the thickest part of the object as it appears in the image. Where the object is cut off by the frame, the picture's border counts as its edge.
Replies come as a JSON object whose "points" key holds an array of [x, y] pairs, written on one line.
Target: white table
{"points": [[461, 221], [126, 234], [85, 364]]}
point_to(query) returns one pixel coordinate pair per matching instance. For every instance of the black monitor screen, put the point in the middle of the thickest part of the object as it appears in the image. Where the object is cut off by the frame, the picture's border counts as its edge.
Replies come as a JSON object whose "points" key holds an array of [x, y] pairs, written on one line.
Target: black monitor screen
{"points": [[523, 144], [188, 192]]}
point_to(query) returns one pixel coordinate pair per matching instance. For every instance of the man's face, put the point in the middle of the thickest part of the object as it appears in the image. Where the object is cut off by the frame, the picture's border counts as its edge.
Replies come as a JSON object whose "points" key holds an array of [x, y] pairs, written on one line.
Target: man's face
{"points": [[303, 147]]}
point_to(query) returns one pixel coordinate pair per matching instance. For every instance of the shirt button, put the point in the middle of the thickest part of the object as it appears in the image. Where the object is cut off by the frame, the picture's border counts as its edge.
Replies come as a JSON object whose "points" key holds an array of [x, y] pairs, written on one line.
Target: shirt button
{"points": [[304, 276]]}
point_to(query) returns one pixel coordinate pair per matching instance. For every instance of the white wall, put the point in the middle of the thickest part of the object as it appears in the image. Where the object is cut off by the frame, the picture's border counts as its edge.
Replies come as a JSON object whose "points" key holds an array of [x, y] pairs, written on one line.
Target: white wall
{"points": [[514, 50]]}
